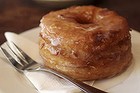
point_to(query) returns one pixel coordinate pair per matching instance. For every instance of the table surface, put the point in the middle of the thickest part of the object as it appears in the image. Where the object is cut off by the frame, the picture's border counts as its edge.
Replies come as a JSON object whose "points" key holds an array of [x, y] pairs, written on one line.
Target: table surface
{"points": [[20, 15]]}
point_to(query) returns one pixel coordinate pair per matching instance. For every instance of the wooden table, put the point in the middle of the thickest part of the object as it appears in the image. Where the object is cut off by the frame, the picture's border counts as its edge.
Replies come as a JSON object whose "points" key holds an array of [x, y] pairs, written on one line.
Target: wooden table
{"points": [[20, 15]]}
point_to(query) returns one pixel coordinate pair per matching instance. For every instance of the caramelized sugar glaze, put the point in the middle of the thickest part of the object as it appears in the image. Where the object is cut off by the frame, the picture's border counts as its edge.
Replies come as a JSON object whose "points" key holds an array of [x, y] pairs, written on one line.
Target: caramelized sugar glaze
{"points": [[85, 42]]}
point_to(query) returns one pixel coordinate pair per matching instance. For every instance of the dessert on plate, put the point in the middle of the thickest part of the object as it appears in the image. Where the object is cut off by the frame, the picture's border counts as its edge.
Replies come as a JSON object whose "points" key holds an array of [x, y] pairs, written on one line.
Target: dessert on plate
{"points": [[85, 42]]}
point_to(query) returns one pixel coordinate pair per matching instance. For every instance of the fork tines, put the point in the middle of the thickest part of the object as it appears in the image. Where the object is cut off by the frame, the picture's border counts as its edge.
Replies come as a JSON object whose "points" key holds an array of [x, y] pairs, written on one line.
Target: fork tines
{"points": [[16, 56], [11, 59]]}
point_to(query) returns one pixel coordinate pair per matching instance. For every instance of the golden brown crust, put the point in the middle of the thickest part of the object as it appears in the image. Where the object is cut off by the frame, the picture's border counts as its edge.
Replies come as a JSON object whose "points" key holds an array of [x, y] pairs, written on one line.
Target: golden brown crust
{"points": [[85, 42]]}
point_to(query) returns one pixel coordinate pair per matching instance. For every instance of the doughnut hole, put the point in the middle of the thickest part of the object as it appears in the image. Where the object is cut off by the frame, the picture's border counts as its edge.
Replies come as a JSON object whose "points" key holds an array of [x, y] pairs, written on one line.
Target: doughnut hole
{"points": [[83, 20]]}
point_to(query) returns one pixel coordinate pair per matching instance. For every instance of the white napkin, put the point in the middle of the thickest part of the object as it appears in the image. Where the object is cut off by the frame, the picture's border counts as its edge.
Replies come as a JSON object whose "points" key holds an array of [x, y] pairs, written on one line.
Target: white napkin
{"points": [[44, 82], [48, 83]]}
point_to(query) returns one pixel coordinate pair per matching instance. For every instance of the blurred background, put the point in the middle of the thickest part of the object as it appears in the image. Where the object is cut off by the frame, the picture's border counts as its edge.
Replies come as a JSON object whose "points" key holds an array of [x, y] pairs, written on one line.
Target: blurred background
{"points": [[20, 15]]}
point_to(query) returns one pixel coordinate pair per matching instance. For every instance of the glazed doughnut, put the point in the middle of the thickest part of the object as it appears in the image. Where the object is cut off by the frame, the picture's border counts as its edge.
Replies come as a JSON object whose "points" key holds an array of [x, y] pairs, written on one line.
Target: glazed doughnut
{"points": [[85, 42]]}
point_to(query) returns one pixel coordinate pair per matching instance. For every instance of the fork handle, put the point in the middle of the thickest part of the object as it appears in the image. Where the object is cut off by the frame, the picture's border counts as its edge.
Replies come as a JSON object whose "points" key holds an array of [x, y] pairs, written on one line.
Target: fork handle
{"points": [[84, 87]]}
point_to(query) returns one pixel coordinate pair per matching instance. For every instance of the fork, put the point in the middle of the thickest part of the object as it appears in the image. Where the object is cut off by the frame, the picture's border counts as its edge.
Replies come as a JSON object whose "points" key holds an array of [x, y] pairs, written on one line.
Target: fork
{"points": [[24, 63]]}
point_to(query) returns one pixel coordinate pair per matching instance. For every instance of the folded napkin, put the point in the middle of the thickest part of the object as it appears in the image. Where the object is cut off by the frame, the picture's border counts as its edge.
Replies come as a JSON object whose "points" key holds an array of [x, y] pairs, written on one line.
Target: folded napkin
{"points": [[44, 82], [47, 83]]}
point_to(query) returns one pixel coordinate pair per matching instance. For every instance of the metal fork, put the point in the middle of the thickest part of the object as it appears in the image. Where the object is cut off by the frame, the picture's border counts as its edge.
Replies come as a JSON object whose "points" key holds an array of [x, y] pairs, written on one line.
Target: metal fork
{"points": [[24, 62]]}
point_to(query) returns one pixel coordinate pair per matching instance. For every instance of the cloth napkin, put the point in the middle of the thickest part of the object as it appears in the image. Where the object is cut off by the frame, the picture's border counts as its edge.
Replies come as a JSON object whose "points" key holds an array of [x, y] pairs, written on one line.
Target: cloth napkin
{"points": [[47, 83], [44, 82]]}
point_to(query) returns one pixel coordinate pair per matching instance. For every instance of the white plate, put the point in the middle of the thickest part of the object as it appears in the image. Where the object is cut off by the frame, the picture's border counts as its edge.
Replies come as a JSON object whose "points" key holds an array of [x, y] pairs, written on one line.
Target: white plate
{"points": [[13, 82]]}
